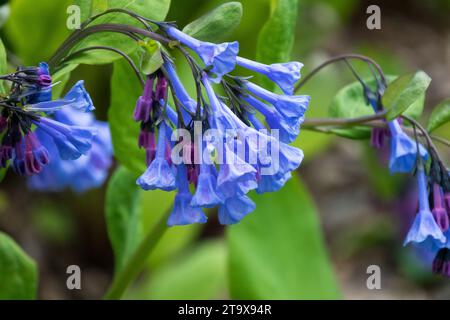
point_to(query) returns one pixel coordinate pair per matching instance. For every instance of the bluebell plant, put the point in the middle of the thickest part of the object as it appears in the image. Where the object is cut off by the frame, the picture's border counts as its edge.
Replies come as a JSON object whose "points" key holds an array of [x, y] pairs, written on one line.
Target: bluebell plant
{"points": [[213, 148], [214, 173]]}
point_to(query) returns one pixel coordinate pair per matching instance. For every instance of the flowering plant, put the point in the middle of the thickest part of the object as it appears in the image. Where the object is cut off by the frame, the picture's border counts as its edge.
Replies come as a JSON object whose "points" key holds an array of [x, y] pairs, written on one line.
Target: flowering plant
{"points": [[213, 135]]}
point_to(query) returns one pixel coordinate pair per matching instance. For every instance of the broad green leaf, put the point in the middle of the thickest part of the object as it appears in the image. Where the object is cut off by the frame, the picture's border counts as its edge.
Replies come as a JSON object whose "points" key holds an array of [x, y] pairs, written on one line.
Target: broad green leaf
{"points": [[403, 92], [98, 6], [125, 90], [153, 9], [3, 66], [36, 28], [152, 59], [277, 252], [131, 212], [18, 272], [439, 116], [123, 215], [198, 274], [276, 38], [216, 25], [349, 102], [154, 205]]}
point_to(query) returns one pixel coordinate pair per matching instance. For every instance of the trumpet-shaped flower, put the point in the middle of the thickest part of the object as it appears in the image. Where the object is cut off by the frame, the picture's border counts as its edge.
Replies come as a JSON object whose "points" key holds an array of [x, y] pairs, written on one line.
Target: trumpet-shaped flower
{"points": [[285, 75], [424, 226], [221, 58]]}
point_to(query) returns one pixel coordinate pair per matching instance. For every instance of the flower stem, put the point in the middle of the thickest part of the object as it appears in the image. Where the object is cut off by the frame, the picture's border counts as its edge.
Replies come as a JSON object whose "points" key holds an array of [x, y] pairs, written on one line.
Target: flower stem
{"points": [[136, 263]]}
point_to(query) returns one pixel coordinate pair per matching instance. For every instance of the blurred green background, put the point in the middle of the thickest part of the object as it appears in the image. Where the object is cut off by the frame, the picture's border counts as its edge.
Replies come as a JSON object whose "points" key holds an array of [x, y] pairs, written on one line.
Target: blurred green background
{"points": [[359, 208]]}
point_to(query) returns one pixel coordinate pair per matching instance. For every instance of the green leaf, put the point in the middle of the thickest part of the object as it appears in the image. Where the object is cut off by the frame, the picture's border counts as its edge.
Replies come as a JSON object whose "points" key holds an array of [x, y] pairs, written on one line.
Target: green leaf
{"points": [[198, 274], [36, 30], [153, 9], [174, 239], [125, 90], [216, 25], [123, 220], [130, 212], [152, 59], [277, 252], [276, 38], [3, 66], [403, 92], [18, 272], [98, 6], [439, 116], [349, 102]]}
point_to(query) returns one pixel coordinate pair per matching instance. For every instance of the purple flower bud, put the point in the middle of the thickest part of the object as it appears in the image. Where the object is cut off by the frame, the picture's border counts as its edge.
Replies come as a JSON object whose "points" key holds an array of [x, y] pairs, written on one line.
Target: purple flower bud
{"points": [[3, 123], [439, 212], [45, 80], [447, 201], [441, 263], [193, 172], [36, 156], [19, 160], [144, 102], [377, 137], [161, 89]]}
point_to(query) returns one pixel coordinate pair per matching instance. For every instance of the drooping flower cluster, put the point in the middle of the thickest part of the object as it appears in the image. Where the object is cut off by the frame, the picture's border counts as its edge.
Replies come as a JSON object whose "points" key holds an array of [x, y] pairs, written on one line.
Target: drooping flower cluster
{"points": [[430, 228], [39, 135], [215, 149]]}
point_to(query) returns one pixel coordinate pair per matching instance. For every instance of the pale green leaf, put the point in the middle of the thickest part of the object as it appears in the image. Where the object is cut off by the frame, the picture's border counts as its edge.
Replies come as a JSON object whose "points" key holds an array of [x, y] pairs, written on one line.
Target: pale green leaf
{"points": [[404, 92], [439, 116], [217, 24], [278, 252], [153, 9], [18, 272], [125, 90], [152, 59], [35, 29], [123, 215], [276, 38], [198, 274]]}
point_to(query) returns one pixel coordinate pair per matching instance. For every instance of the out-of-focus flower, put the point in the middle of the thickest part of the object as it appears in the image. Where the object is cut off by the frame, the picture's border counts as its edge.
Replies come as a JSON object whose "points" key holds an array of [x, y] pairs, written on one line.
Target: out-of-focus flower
{"points": [[29, 105], [88, 171]]}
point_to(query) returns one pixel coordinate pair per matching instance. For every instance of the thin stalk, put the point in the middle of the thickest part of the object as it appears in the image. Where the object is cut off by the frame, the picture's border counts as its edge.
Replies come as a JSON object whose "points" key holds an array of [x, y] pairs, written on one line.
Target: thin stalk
{"points": [[123, 54], [137, 261], [117, 28], [341, 58]]}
